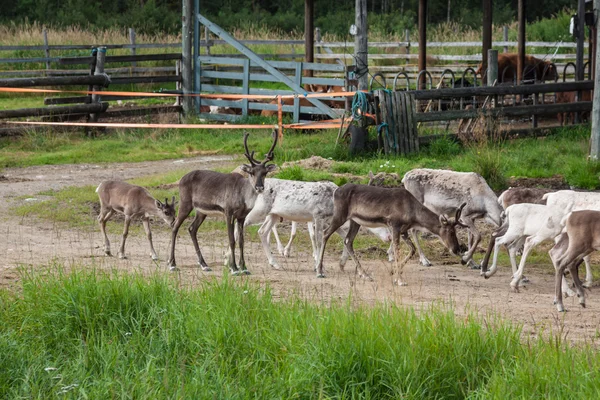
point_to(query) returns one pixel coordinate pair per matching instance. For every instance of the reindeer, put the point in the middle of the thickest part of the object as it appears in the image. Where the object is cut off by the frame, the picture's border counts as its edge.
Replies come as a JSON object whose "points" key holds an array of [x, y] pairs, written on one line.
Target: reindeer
{"points": [[443, 191], [394, 208], [131, 201], [310, 202], [580, 237], [215, 193]]}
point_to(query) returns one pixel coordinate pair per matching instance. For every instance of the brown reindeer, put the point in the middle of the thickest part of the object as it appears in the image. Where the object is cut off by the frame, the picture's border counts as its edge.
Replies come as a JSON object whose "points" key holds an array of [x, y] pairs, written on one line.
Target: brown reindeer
{"points": [[132, 201], [394, 208], [230, 195]]}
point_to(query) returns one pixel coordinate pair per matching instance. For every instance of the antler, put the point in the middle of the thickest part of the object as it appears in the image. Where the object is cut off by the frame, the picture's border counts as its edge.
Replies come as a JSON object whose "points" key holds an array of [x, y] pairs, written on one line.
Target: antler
{"points": [[458, 213], [269, 156], [249, 155]]}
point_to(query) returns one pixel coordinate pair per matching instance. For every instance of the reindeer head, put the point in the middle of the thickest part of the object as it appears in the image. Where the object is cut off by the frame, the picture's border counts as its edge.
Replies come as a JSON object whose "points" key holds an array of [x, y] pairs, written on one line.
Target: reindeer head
{"points": [[166, 211], [448, 230], [257, 171]]}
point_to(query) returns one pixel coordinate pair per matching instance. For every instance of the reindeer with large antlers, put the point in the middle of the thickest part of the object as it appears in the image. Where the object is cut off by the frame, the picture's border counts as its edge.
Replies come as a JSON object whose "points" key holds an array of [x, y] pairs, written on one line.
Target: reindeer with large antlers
{"points": [[215, 193]]}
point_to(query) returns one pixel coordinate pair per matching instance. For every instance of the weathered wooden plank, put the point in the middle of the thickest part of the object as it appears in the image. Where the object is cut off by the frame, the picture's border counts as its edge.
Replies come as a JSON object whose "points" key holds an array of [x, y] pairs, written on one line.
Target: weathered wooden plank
{"points": [[146, 79], [36, 112], [101, 80], [518, 111], [435, 94]]}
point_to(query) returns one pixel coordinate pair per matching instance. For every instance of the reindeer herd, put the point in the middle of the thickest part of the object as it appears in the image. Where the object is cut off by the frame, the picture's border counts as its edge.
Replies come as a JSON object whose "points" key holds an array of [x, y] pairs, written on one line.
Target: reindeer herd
{"points": [[522, 217]]}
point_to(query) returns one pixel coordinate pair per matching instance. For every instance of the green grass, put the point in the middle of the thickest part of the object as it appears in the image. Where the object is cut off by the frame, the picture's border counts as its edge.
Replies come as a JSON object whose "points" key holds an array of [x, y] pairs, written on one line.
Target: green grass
{"points": [[128, 336]]}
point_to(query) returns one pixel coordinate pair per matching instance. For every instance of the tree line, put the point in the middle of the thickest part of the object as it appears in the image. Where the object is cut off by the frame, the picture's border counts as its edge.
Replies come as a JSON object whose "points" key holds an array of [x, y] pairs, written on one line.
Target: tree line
{"points": [[332, 16]]}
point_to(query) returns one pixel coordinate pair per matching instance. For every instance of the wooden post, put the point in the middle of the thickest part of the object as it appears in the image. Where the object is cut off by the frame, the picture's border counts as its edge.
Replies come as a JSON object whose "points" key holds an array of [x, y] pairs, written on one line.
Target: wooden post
{"points": [[187, 24], [505, 37], [595, 137], [521, 41], [132, 42], [196, 54], [298, 79], [407, 40], [487, 33], [579, 57], [246, 87], [46, 49], [361, 50], [309, 34], [96, 98], [422, 41], [492, 74], [206, 40]]}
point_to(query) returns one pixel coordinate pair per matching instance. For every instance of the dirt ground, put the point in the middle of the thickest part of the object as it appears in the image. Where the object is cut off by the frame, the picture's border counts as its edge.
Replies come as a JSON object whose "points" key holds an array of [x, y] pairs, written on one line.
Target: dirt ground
{"points": [[30, 242]]}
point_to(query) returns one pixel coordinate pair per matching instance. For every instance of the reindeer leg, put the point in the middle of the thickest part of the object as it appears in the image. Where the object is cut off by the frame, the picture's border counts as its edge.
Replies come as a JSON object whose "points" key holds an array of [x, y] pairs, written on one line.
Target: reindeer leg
{"points": [[231, 233], [124, 237], [313, 240], [578, 284], [530, 243], [184, 210], [336, 222], [263, 233], [288, 246], [422, 259], [349, 244], [146, 224], [240, 238], [468, 257], [343, 232], [105, 214], [588, 272], [277, 240], [193, 230], [399, 266]]}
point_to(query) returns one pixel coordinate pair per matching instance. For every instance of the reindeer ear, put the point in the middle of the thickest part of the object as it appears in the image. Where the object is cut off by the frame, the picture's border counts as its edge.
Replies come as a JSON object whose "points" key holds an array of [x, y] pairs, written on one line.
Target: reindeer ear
{"points": [[271, 168], [246, 168], [443, 219], [158, 203]]}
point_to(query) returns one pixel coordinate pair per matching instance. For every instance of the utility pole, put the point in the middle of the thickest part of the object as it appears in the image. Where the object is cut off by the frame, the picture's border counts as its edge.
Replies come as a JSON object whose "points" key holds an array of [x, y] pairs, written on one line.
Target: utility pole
{"points": [[361, 49]]}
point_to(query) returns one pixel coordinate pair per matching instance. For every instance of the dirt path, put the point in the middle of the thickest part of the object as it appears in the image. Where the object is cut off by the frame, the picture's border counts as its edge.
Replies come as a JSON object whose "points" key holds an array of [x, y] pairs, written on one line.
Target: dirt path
{"points": [[29, 242]]}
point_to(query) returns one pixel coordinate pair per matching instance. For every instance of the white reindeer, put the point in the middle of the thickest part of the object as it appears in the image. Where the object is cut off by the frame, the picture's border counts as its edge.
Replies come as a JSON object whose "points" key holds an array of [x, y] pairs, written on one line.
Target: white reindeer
{"points": [[444, 191], [526, 223], [132, 201]]}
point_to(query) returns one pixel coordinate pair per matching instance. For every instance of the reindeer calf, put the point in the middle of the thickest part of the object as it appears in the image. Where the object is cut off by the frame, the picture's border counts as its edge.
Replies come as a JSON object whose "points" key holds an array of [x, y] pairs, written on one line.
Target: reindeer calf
{"points": [[581, 237], [132, 201]]}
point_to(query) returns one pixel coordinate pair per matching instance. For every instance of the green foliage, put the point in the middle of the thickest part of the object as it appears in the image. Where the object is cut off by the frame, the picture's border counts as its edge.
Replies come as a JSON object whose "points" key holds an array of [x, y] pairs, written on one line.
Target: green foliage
{"points": [[131, 336]]}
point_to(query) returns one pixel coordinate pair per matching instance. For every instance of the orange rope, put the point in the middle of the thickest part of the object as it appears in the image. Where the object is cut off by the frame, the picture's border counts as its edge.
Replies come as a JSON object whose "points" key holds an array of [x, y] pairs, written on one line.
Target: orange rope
{"points": [[202, 95]]}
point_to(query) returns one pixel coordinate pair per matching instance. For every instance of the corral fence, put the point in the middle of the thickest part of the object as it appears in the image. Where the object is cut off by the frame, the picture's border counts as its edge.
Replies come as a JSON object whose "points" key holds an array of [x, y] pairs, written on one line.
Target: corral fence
{"points": [[239, 74], [398, 113]]}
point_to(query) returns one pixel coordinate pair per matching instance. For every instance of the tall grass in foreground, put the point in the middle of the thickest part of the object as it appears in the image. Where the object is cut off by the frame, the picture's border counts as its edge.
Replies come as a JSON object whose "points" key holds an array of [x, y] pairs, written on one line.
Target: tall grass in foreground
{"points": [[92, 335]]}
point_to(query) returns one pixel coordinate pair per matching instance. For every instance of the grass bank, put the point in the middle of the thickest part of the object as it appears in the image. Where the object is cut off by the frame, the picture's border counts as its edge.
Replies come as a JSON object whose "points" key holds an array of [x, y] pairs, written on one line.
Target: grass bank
{"points": [[563, 154], [93, 335]]}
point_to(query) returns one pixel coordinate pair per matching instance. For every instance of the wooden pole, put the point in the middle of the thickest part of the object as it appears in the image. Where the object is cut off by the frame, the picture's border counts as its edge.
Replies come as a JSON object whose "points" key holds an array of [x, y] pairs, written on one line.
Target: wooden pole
{"points": [[309, 34], [521, 41], [505, 37], [46, 48], [422, 41], [487, 32], [132, 42], [595, 137], [187, 25], [579, 57], [100, 57], [361, 50], [407, 40]]}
